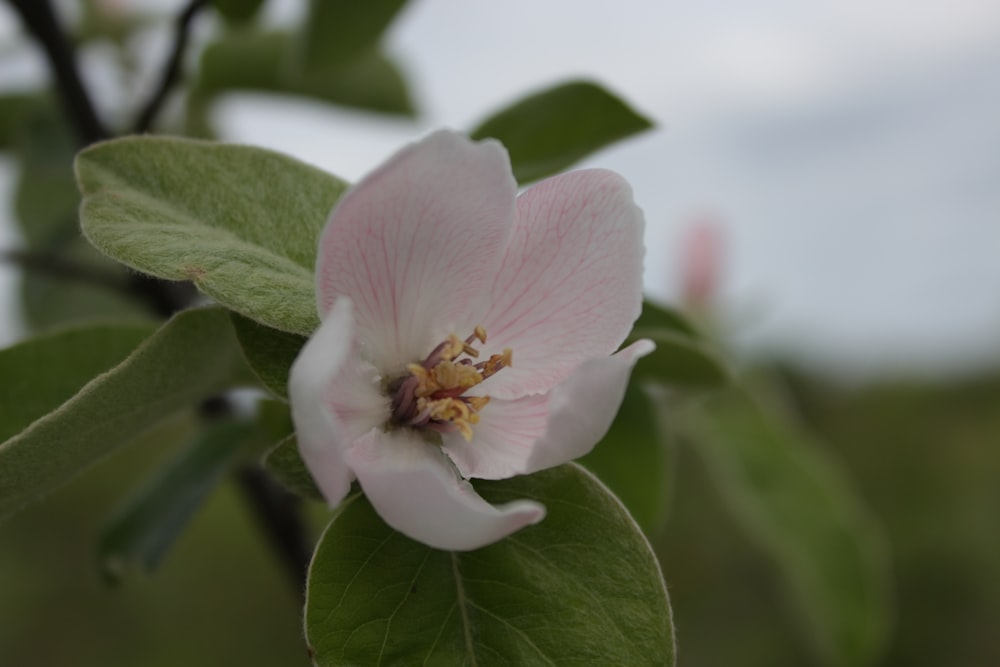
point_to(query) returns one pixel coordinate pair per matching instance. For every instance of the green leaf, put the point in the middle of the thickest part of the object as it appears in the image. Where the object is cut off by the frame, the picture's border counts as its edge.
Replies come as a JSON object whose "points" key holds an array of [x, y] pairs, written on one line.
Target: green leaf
{"points": [[796, 504], [582, 587], [335, 31], [550, 130], [246, 60], [242, 223], [238, 11], [632, 459], [655, 316], [193, 356], [269, 352], [143, 528], [680, 361], [13, 107], [45, 199], [286, 464], [42, 373]]}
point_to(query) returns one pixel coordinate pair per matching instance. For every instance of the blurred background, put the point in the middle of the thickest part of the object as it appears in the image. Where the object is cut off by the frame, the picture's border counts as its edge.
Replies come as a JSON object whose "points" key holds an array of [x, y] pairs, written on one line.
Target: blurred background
{"points": [[845, 155]]}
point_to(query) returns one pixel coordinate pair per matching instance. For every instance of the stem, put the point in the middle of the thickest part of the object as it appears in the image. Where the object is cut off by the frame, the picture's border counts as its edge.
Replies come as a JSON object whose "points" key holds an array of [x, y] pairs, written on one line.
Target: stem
{"points": [[40, 21], [171, 73], [279, 515]]}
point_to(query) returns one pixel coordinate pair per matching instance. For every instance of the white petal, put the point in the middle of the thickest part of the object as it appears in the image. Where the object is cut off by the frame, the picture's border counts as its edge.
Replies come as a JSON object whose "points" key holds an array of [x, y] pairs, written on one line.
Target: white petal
{"points": [[540, 431], [570, 284], [417, 491], [416, 243], [329, 405]]}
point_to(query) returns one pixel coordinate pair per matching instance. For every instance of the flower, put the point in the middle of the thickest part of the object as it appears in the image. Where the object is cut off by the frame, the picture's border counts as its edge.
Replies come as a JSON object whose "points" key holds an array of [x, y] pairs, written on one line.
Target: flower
{"points": [[466, 333]]}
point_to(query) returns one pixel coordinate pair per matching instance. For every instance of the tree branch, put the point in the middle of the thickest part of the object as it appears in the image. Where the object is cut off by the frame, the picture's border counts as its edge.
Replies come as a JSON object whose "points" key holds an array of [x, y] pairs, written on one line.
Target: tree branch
{"points": [[171, 73], [40, 21], [279, 514]]}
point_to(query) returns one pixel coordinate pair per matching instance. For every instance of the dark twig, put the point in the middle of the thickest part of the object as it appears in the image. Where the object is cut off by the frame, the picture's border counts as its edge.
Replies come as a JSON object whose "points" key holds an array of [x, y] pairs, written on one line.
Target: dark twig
{"points": [[40, 20], [279, 515], [171, 73]]}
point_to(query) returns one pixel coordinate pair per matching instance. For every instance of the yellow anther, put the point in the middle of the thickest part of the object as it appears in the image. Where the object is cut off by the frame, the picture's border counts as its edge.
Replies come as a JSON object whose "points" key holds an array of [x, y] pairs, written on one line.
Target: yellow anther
{"points": [[469, 350], [448, 375], [480, 334], [477, 402]]}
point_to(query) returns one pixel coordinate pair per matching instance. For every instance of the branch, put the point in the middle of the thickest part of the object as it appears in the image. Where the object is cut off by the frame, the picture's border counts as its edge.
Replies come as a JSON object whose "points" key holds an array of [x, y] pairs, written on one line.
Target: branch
{"points": [[171, 74], [279, 514], [40, 21]]}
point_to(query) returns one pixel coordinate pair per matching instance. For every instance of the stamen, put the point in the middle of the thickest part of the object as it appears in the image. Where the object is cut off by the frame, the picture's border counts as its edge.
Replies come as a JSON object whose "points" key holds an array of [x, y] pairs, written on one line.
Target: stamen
{"points": [[431, 395]]}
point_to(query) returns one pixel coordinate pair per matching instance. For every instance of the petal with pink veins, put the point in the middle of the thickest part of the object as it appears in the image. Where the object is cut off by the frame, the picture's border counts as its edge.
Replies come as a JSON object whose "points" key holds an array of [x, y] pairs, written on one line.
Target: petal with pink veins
{"points": [[570, 283], [416, 243], [417, 491], [540, 431]]}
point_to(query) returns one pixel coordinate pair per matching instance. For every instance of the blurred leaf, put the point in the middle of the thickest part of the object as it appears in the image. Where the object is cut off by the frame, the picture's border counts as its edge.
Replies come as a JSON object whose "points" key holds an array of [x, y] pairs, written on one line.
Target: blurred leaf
{"points": [[581, 587], [247, 60], [680, 361], [632, 459], [274, 420], [238, 11], [143, 528], [42, 373], [46, 199], [79, 284], [335, 31], [13, 107], [248, 241], [655, 316], [269, 352], [550, 130], [794, 502], [114, 21], [191, 357], [286, 464]]}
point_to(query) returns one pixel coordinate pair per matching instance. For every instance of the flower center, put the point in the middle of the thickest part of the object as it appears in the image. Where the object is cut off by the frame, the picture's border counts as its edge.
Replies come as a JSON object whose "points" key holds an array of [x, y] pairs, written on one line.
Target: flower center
{"points": [[432, 396]]}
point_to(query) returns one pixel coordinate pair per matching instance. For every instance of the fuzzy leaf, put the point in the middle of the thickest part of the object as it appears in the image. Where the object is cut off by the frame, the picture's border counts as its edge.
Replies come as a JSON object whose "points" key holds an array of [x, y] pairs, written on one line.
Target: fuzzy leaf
{"points": [[266, 61], [680, 361], [143, 528], [581, 587], [796, 504], [242, 223], [286, 464], [269, 352], [550, 130], [193, 356], [632, 459], [335, 31]]}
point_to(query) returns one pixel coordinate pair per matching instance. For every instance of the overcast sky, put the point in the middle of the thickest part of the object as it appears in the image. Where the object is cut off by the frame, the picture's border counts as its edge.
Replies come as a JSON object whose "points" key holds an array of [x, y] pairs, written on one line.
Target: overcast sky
{"points": [[849, 149]]}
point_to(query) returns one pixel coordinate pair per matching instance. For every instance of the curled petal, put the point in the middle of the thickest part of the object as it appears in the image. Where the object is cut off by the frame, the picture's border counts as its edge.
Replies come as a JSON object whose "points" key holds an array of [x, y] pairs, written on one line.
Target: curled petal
{"points": [[417, 491], [535, 432], [415, 244], [570, 283], [320, 435]]}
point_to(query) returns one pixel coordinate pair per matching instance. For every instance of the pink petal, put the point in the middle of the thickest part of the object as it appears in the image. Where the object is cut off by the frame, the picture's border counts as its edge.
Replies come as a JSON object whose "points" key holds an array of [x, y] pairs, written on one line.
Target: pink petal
{"points": [[570, 285], [417, 491], [335, 399], [539, 431], [319, 434], [415, 244]]}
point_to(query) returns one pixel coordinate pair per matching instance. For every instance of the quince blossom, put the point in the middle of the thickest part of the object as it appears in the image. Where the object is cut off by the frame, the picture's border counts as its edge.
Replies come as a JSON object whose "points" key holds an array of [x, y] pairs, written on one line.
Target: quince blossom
{"points": [[467, 332]]}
